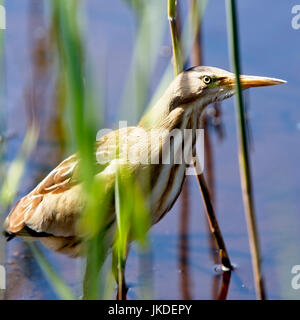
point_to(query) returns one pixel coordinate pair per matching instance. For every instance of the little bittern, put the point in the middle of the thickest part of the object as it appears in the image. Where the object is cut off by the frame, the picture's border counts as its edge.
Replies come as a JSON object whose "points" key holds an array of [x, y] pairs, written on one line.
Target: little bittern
{"points": [[50, 211]]}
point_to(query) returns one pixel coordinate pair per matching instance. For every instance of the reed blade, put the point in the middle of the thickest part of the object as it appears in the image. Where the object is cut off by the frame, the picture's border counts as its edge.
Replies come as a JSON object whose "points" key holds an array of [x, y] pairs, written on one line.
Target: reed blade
{"points": [[245, 171]]}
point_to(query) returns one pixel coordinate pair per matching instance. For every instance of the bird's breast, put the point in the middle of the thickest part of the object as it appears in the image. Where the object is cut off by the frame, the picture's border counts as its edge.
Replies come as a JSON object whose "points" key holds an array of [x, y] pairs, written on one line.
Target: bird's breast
{"points": [[176, 153]]}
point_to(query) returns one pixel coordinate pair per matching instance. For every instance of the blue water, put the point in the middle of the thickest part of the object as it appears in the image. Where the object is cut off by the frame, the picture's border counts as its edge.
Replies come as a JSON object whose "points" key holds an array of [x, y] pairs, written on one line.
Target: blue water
{"points": [[269, 47]]}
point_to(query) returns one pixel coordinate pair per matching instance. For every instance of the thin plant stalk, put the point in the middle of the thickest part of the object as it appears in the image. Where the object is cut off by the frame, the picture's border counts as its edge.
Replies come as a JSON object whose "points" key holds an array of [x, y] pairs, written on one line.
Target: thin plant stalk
{"points": [[177, 58], [196, 12], [214, 226], [244, 161], [183, 253]]}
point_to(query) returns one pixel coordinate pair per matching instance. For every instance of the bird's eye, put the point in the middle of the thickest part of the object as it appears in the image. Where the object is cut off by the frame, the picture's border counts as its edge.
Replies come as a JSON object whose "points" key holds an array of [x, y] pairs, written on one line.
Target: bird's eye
{"points": [[206, 79]]}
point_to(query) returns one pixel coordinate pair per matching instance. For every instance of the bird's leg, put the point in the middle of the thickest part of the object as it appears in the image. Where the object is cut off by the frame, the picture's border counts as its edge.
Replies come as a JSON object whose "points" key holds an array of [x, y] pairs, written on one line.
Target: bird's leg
{"points": [[213, 222], [118, 268]]}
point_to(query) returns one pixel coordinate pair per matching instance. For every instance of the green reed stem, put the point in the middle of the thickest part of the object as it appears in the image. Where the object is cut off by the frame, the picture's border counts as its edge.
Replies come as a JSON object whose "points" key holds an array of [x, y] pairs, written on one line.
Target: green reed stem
{"points": [[245, 171], [177, 58]]}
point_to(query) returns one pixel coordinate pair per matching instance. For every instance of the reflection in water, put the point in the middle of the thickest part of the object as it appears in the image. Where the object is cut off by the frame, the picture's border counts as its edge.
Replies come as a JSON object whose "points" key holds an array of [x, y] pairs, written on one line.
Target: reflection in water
{"points": [[183, 256], [22, 270], [224, 285]]}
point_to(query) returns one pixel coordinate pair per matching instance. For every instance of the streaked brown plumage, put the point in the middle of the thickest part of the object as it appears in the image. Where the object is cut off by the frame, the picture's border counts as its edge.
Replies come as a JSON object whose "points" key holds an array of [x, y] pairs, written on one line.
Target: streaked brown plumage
{"points": [[50, 211]]}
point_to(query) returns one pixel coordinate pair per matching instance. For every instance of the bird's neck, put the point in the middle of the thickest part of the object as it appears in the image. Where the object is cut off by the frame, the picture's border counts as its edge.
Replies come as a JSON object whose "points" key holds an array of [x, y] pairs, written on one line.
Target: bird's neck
{"points": [[172, 113], [173, 147]]}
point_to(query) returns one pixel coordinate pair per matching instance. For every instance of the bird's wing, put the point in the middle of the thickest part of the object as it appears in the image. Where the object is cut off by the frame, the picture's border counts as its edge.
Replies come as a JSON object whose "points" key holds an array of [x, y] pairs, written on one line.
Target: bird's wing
{"points": [[58, 181], [54, 205]]}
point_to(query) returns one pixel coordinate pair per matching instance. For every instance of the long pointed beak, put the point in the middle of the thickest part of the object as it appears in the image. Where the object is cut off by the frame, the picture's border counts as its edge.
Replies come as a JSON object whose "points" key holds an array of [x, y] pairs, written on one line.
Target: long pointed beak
{"points": [[252, 81]]}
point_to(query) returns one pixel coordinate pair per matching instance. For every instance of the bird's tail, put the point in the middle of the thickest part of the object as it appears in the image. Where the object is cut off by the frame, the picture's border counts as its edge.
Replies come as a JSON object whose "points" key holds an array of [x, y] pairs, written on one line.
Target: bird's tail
{"points": [[9, 236]]}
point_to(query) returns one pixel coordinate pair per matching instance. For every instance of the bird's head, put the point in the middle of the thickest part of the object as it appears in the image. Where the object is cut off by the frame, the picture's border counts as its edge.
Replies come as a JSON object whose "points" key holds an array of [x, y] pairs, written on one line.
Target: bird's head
{"points": [[205, 85], [197, 87]]}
